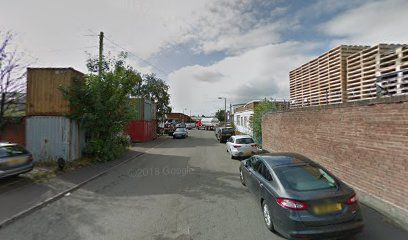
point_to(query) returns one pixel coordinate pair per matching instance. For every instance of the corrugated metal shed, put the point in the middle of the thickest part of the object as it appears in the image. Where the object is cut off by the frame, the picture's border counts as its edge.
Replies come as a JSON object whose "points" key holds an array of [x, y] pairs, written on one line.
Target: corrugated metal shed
{"points": [[44, 96], [52, 137]]}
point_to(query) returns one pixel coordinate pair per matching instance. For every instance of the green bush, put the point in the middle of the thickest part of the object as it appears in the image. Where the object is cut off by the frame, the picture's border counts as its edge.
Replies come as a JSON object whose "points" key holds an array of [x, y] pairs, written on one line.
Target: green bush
{"points": [[102, 106], [256, 120]]}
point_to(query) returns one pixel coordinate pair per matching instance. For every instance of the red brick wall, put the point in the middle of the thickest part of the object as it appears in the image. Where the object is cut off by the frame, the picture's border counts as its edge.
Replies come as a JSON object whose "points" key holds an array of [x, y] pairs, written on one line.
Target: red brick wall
{"points": [[365, 144]]}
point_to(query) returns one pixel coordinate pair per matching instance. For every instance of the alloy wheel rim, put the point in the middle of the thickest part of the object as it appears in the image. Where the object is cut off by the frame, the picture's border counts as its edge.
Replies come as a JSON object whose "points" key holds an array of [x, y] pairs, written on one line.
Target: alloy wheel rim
{"points": [[267, 216]]}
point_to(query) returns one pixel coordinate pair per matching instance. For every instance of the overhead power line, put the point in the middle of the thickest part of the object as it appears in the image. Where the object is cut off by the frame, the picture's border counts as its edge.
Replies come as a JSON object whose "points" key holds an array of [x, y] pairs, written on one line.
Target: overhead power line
{"points": [[136, 56]]}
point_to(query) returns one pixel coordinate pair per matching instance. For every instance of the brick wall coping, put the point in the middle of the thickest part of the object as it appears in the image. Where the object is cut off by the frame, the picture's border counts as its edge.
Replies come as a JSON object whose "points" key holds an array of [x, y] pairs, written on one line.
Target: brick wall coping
{"points": [[369, 102]]}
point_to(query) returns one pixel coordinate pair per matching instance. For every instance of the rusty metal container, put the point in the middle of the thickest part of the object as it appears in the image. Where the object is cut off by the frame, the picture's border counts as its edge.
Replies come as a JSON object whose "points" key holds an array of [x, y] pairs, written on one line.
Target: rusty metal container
{"points": [[44, 97]]}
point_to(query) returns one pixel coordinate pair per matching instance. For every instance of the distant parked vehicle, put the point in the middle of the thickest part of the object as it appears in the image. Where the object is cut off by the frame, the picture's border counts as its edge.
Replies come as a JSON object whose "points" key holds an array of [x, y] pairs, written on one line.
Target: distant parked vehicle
{"points": [[14, 160], [181, 125], [210, 123], [180, 133], [300, 199], [190, 126], [169, 128], [224, 133], [199, 125], [241, 146]]}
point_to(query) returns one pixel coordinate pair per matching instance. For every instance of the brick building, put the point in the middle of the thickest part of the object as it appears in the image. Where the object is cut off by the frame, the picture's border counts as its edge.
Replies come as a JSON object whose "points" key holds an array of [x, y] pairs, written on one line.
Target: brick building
{"points": [[178, 117]]}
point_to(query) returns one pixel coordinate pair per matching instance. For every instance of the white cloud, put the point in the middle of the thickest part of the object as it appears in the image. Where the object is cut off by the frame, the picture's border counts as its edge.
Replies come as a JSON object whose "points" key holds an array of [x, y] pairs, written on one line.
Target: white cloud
{"points": [[254, 74], [236, 26], [54, 31], [372, 23]]}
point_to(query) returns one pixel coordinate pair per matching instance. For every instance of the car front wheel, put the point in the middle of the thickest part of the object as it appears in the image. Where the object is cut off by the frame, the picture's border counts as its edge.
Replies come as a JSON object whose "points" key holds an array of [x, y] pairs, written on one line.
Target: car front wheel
{"points": [[267, 217]]}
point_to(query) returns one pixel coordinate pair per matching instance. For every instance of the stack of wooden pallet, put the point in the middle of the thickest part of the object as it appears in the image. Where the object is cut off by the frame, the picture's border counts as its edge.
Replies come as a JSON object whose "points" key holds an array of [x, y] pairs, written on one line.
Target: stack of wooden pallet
{"points": [[364, 67], [322, 80], [392, 73]]}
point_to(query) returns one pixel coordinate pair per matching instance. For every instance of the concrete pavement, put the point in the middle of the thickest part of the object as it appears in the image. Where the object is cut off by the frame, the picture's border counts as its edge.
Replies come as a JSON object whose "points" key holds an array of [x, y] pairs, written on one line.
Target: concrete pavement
{"points": [[181, 189]]}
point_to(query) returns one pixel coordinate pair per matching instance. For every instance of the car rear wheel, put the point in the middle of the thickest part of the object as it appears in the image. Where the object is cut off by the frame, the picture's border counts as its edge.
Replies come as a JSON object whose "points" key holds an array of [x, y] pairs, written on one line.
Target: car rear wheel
{"points": [[267, 217]]}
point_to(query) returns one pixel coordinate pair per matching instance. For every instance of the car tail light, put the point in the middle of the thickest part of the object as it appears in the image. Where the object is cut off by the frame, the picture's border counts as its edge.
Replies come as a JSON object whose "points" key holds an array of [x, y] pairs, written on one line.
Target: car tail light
{"points": [[30, 158], [353, 199], [236, 146], [291, 204], [254, 145]]}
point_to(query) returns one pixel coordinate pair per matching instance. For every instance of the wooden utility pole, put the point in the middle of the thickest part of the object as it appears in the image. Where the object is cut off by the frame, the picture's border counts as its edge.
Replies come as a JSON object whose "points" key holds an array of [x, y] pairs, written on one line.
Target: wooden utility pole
{"points": [[100, 54]]}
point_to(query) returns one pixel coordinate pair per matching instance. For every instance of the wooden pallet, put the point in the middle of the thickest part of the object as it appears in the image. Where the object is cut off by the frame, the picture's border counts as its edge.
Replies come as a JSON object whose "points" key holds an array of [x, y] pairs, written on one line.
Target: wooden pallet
{"points": [[322, 80], [363, 68], [392, 73]]}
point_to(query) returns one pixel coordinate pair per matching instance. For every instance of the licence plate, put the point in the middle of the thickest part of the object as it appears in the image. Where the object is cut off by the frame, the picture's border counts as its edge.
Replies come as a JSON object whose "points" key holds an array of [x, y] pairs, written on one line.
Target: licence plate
{"points": [[17, 161], [327, 208]]}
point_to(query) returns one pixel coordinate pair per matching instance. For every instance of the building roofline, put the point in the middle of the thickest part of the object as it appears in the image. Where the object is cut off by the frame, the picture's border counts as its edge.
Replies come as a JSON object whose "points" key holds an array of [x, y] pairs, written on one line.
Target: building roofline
{"points": [[55, 68]]}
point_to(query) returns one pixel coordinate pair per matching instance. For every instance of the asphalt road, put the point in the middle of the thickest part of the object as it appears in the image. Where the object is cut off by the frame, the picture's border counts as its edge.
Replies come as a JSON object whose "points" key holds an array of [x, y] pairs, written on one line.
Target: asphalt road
{"points": [[180, 189]]}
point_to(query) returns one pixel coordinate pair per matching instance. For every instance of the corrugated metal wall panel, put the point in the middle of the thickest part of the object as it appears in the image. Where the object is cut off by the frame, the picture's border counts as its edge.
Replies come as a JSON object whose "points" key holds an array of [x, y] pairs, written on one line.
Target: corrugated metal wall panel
{"points": [[142, 131], [51, 137], [137, 105], [147, 111]]}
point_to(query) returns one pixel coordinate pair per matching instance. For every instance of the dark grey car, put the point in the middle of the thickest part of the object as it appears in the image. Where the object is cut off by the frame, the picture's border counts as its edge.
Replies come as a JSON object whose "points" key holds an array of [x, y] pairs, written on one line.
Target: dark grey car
{"points": [[14, 160], [180, 133], [299, 198]]}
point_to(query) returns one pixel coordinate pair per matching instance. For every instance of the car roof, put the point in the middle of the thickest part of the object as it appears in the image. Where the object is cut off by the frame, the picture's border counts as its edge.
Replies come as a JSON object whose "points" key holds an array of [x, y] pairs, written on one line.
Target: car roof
{"points": [[241, 136], [284, 159]]}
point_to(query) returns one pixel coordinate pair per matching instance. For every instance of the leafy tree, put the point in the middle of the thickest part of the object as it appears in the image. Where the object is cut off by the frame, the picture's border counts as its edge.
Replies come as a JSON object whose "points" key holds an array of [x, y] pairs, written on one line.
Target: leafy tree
{"points": [[12, 79], [103, 107], [256, 120], [156, 90], [220, 114]]}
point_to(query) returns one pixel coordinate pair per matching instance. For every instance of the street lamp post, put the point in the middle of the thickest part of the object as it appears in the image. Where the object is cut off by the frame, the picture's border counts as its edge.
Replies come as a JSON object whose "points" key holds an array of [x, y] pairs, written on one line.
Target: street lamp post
{"points": [[225, 108]]}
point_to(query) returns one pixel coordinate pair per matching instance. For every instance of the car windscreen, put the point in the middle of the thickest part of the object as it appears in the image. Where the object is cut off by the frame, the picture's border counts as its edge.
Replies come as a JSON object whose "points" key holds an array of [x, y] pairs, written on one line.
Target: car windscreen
{"points": [[11, 151], [305, 178], [180, 130], [227, 130], [244, 141]]}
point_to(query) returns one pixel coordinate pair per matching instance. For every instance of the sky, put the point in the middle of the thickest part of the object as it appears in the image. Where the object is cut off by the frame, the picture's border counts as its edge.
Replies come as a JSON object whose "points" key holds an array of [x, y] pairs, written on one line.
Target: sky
{"points": [[240, 50]]}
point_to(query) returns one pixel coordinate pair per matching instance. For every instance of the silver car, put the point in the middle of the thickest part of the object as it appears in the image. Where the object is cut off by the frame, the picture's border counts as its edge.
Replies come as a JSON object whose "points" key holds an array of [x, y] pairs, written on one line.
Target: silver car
{"points": [[14, 160], [180, 133], [241, 146]]}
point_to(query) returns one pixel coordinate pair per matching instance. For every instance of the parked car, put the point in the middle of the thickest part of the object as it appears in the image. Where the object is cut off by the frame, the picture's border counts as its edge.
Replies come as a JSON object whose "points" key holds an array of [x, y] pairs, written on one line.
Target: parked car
{"points": [[180, 133], [190, 126], [224, 133], [299, 198], [241, 146], [14, 160], [181, 125]]}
